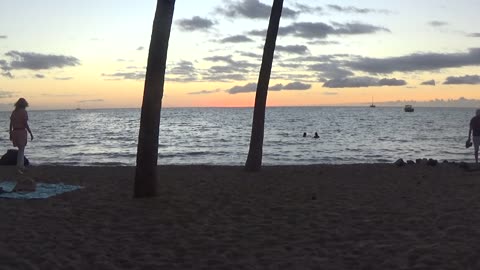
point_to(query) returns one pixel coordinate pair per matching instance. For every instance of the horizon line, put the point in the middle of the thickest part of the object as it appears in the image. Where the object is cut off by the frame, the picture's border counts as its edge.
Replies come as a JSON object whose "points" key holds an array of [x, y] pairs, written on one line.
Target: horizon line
{"points": [[251, 107]]}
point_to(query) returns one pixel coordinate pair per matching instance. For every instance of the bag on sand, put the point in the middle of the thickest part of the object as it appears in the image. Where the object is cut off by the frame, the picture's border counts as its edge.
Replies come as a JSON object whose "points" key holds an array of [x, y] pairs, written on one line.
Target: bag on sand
{"points": [[468, 143], [10, 158]]}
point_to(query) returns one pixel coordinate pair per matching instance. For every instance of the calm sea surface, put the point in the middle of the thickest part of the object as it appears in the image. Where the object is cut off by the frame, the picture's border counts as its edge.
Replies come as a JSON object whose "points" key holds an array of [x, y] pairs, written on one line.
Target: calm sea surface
{"points": [[221, 135]]}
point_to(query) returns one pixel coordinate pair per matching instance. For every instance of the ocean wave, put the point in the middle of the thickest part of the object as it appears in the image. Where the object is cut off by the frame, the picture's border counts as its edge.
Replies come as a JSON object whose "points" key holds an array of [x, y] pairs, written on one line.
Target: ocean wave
{"points": [[222, 136]]}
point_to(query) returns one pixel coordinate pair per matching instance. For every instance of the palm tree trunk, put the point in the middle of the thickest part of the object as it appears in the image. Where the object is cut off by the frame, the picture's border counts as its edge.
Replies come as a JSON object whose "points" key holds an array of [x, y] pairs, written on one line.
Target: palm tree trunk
{"points": [[254, 159], [147, 151]]}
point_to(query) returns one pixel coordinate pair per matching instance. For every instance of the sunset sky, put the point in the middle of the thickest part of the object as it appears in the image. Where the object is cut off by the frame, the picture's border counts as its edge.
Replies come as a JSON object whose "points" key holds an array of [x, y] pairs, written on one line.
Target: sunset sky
{"points": [[92, 54]]}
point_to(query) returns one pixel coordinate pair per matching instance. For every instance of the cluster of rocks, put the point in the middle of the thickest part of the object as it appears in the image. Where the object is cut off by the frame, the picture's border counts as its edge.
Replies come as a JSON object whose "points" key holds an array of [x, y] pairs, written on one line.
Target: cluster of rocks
{"points": [[421, 161]]}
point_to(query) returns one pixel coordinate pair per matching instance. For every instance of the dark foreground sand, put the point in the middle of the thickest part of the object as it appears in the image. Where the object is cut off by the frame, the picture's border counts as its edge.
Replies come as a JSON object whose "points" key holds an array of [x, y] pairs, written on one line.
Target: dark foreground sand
{"points": [[288, 217]]}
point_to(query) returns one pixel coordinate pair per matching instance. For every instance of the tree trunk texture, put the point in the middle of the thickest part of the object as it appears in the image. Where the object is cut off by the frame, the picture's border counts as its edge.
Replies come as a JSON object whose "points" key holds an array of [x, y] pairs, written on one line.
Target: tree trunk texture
{"points": [[147, 151], [255, 152]]}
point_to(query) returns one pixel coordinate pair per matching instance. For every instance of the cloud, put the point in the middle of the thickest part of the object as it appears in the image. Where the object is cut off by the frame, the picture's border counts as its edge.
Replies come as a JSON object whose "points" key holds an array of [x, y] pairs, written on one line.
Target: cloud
{"points": [[416, 62], [319, 30], [3, 37], [252, 9], [37, 61], [258, 33], [228, 59], [302, 8], [195, 23], [183, 71], [236, 39], [7, 74], [357, 29], [329, 93], [140, 48], [330, 70], [39, 76], [474, 35], [252, 87], [430, 82], [391, 82], [63, 78], [231, 67], [90, 100], [6, 94], [467, 79], [437, 23], [293, 49], [322, 58], [4, 66], [250, 54], [126, 75], [351, 9], [223, 77], [297, 86], [232, 70], [355, 82], [204, 92], [351, 82], [182, 68], [323, 42]]}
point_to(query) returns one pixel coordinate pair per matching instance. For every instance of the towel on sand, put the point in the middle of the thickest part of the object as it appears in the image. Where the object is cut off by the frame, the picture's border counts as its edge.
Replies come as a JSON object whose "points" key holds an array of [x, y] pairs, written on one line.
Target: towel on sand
{"points": [[42, 191]]}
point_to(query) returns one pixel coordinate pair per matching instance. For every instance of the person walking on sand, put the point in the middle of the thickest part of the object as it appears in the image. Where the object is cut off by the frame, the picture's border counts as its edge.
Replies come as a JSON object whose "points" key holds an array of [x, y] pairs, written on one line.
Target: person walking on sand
{"points": [[475, 131], [18, 130]]}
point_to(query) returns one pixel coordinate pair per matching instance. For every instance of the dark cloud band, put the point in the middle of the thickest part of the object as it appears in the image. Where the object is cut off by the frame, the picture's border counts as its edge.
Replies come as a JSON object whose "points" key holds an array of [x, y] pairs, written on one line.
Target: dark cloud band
{"points": [[195, 23], [416, 62], [467, 79], [356, 82], [37, 61]]}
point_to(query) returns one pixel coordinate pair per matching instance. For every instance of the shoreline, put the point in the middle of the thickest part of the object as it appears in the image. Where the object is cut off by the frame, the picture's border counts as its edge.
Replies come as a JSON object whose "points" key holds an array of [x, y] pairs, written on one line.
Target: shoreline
{"points": [[362, 216]]}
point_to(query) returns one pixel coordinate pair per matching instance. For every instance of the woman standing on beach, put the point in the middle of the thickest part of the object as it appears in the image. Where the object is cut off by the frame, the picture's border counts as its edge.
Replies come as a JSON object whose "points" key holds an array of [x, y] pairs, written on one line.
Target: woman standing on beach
{"points": [[18, 130]]}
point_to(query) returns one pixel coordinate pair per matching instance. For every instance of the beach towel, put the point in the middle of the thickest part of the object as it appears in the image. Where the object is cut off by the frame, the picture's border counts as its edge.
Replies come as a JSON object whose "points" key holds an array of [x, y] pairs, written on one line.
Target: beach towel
{"points": [[42, 191]]}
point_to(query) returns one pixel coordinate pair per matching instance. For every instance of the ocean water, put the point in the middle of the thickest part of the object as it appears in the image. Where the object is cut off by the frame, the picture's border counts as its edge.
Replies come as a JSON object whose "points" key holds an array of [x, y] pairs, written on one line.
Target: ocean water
{"points": [[221, 135]]}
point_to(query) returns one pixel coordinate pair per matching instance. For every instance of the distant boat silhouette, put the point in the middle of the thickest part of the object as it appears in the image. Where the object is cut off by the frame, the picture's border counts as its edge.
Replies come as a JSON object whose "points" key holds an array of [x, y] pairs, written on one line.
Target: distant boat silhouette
{"points": [[408, 108], [78, 109], [372, 105]]}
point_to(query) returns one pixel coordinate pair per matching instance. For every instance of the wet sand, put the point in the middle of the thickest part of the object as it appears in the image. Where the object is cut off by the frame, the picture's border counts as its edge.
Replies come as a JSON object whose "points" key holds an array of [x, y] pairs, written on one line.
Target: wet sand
{"points": [[218, 217]]}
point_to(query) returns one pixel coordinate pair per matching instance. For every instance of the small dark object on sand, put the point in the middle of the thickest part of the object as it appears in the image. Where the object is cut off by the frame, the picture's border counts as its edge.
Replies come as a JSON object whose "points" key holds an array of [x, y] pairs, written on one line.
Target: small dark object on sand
{"points": [[432, 162], [10, 158], [399, 163]]}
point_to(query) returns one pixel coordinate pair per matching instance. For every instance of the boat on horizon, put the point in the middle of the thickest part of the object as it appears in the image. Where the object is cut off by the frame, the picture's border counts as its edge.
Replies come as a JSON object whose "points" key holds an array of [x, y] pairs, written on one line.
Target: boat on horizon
{"points": [[408, 108], [372, 105]]}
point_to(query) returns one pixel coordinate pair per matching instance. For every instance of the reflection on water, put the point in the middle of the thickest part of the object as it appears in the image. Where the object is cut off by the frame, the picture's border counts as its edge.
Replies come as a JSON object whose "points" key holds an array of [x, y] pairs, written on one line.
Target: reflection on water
{"points": [[221, 135]]}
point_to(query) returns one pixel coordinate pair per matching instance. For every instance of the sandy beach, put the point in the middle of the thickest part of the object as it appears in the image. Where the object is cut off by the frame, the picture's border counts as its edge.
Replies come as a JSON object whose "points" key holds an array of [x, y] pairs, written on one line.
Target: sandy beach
{"points": [[375, 216]]}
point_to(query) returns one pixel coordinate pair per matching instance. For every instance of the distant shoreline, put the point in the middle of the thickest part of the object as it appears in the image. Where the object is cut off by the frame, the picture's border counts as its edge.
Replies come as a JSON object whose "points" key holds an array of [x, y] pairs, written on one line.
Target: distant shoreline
{"points": [[365, 105]]}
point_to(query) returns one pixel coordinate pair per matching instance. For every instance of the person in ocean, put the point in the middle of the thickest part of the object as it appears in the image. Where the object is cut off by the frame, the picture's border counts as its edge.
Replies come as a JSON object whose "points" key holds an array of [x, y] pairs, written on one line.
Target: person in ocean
{"points": [[316, 136], [475, 131], [304, 134], [18, 130]]}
